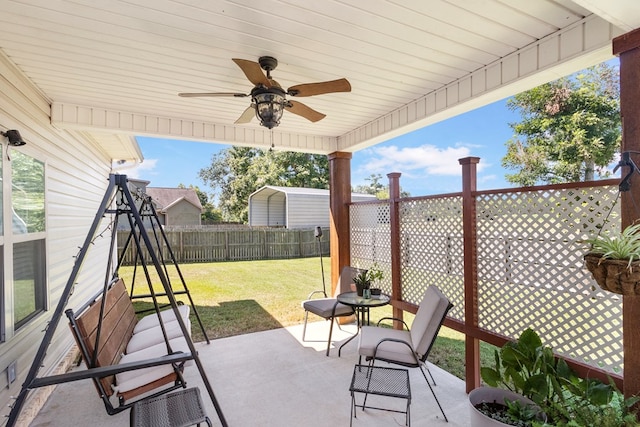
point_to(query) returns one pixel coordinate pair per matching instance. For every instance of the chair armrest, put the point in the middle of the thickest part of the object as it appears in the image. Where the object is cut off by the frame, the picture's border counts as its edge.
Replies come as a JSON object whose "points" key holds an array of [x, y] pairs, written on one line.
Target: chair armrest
{"points": [[375, 351], [394, 318], [333, 312], [105, 371], [316, 292]]}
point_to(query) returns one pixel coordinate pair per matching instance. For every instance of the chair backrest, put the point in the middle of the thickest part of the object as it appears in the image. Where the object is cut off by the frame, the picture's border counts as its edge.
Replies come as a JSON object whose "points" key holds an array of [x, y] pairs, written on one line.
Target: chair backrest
{"points": [[431, 313], [346, 279]]}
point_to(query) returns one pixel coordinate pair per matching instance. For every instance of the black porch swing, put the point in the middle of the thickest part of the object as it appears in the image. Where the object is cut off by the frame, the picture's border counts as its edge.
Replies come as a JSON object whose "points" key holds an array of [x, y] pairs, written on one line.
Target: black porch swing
{"points": [[114, 303]]}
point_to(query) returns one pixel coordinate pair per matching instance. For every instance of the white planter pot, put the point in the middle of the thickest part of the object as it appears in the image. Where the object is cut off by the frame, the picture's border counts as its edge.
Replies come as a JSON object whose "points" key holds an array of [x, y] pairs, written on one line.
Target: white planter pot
{"points": [[490, 394]]}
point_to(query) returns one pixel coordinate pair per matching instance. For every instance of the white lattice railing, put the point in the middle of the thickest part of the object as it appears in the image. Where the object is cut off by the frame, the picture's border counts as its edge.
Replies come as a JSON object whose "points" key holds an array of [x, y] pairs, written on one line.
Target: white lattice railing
{"points": [[531, 271], [431, 249], [529, 263], [371, 239]]}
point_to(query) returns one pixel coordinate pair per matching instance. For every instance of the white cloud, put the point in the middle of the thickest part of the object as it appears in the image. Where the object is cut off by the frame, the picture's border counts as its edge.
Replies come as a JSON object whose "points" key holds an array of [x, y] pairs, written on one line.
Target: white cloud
{"points": [[487, 178], [468, 145], [147, 167], [425, 159]]}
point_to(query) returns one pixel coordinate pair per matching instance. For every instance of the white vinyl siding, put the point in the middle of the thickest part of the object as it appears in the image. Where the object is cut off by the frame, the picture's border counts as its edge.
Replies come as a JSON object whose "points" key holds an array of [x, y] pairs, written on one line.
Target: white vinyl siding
{"points": [[75, 182], [307, 211]]}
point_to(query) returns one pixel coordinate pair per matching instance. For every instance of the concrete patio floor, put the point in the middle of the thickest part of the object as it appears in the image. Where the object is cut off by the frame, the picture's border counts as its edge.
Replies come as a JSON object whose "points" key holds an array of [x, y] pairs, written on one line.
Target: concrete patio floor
{"points": [[271, 379]]}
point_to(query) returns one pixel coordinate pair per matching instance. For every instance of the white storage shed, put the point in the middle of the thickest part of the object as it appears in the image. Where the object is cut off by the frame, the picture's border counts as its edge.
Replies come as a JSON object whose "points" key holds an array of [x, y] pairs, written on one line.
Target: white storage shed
{"points": [[293, 207]]}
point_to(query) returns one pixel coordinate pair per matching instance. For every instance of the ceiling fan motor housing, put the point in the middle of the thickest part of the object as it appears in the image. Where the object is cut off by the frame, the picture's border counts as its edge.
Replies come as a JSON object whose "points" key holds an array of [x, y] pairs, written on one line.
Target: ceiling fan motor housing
{"points": [[268, 63]]}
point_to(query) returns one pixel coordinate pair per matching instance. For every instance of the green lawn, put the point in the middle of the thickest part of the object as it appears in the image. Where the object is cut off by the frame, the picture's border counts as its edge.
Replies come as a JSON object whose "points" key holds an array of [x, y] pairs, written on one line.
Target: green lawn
{"points": [[241, 297], [24, 299]]}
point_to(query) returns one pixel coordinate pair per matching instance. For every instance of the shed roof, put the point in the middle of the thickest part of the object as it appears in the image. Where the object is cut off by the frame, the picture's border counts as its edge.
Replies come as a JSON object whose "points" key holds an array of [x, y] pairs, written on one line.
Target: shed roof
{"points": [[164, 198], [269, 190]]}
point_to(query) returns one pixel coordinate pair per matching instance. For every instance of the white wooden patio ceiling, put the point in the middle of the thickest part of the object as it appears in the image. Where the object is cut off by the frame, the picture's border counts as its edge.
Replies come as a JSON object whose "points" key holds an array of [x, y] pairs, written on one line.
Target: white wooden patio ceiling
{"points": [[112, 68]]}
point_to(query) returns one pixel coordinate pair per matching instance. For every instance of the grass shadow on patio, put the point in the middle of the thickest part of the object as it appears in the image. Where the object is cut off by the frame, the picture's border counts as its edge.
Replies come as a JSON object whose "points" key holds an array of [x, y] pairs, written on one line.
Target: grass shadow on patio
{"points": [[228, 318]]}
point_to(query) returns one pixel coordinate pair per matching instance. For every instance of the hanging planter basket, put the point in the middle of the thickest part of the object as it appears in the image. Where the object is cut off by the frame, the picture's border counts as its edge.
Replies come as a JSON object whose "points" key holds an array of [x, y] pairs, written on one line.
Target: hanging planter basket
{"points": [[614, 275]]}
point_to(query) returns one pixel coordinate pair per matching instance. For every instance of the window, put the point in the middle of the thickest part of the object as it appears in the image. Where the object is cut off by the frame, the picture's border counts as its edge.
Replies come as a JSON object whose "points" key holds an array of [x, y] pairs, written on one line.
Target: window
{"points": [[27, 194], [28, 281], [27, 237]]}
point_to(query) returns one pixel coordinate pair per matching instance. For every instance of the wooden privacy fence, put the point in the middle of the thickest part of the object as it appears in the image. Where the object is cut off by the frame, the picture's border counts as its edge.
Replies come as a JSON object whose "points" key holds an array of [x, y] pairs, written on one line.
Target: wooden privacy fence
{"points": [[208, 245]]}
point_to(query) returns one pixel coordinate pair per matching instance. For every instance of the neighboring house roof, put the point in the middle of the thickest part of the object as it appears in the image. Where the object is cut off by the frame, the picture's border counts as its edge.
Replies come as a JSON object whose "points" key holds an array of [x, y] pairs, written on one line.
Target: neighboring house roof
{"points": [[165, 198]]}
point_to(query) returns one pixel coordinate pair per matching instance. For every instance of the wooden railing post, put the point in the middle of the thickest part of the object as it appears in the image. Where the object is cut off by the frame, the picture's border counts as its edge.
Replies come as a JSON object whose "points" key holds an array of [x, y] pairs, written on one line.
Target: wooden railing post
{"points": [[339, 200], [472, 345], [627, 47], [394, 219]]}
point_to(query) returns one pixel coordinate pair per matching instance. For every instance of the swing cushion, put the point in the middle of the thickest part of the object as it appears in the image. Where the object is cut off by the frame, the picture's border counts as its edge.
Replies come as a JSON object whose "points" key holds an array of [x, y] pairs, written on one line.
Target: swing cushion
{"points": [[168, 315], [126, 381], [152, 336]]}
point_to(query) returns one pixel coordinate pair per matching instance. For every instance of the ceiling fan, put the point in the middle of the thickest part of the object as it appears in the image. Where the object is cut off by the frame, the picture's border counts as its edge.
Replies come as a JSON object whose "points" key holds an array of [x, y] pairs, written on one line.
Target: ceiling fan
{"points": [[268, 99]]}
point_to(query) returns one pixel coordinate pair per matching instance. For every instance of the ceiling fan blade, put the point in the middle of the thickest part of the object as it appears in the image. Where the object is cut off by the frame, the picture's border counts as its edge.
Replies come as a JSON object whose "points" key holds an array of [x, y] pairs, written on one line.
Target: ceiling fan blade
{"points": [[253, 71], [310, 89], [304, 111], [193, 95], [247, 115]]}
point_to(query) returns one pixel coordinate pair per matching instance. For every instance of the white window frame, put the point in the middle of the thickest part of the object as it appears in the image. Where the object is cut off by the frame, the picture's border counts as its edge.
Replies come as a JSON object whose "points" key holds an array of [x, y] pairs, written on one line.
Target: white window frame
{"points": [[7, 241]]}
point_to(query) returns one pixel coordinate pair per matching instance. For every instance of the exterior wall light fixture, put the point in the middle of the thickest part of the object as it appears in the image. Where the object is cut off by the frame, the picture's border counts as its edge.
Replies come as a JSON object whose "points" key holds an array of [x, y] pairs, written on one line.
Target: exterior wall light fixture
{"points": [[14, 137]]}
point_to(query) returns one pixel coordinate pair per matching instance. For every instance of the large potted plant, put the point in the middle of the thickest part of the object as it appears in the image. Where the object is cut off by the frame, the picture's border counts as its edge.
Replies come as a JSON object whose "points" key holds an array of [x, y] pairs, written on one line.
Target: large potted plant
{"points": [[614, 261], [529, 386]]}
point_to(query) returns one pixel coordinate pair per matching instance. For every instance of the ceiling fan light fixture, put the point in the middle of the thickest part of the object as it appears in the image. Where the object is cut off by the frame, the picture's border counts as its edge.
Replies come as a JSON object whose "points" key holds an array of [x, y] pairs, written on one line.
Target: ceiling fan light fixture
{"points": [[270, 103]]}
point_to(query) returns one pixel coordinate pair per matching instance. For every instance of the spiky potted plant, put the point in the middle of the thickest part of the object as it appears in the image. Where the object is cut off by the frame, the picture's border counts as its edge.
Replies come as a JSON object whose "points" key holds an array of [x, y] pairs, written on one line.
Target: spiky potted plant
{"points": [[365, 278], [362, 282], [614, 261]]}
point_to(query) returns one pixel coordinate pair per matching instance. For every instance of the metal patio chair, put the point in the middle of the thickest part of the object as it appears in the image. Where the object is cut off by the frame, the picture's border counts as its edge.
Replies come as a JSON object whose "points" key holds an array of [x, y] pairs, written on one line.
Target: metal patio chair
{"points": [[408, 348], [329, 308]]}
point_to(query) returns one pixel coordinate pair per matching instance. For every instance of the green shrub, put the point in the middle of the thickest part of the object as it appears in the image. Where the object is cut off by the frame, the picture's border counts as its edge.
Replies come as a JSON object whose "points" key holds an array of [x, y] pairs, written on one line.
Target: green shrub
{"points": [[527, 367]]}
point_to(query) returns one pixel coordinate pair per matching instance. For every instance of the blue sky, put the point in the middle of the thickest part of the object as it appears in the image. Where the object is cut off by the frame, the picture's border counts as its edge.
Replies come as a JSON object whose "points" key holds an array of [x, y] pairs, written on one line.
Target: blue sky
{"points": [[427, 158]]}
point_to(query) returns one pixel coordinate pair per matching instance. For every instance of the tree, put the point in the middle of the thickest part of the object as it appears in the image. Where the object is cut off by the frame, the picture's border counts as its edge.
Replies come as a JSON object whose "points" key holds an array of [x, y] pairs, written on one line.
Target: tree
{"points": [[570, 128], [376, 188], [237, 172]]}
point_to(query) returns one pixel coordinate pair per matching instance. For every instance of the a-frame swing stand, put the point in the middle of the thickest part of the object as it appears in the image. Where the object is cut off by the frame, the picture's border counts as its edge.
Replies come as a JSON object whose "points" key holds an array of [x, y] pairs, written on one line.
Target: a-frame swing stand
{"points": [[126, 205]]}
